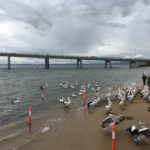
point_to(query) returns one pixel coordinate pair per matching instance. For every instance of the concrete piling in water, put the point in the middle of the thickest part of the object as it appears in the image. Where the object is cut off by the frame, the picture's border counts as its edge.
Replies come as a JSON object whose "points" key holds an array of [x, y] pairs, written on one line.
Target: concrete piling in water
{"points": [[9, 65], [79, 63], [108, 62], [46, 62]]}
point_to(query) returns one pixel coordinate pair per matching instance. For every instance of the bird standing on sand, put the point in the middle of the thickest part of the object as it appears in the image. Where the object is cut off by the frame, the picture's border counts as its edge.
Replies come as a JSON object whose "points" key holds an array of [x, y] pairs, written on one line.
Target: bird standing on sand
{"points": [[122, 103], [108, 107], [67, 102], [140, 132], [74, 94], [146, 94], [130, 96], [61, 100], [93, 103], [112, 119]]}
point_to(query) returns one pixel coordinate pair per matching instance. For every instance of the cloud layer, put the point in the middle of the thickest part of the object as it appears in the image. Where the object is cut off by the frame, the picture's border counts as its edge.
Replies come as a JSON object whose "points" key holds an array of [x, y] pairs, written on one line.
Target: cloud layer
{"points": [[76, 27]]}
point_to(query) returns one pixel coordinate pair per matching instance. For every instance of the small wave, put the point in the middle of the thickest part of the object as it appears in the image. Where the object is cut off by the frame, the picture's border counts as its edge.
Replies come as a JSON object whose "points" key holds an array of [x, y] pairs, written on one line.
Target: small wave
{"points": [[55, 88], [55, 120], [12, 135]]}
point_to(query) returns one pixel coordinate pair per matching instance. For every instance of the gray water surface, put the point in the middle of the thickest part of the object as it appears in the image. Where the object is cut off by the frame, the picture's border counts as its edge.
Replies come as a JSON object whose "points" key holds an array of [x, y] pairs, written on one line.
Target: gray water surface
{"points": [[25, 82]]}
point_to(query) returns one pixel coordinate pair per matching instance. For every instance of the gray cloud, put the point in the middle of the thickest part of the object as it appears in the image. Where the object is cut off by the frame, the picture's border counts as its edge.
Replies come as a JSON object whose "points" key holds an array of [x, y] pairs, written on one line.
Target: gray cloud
{"points": [[76, 26], [17, 11], [146, 2]]}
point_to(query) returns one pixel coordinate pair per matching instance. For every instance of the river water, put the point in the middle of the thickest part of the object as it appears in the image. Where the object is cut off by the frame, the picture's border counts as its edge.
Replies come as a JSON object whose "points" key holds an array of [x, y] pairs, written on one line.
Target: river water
{"points": [[25, 82]]}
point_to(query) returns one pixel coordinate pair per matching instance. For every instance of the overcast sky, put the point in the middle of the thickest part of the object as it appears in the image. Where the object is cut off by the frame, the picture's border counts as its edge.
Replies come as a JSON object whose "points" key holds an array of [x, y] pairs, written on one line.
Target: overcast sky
{"points": [[76, 27]]}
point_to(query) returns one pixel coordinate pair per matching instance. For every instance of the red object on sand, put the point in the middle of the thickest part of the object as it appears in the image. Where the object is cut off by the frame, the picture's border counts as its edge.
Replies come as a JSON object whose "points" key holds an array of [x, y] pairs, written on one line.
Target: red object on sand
{"points": [[113, 137], [30, 115], [84, 101]]}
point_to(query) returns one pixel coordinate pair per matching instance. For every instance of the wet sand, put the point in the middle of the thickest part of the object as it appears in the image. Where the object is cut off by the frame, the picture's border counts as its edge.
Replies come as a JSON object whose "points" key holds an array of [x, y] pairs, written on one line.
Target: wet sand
{"points": [[83, 131]]}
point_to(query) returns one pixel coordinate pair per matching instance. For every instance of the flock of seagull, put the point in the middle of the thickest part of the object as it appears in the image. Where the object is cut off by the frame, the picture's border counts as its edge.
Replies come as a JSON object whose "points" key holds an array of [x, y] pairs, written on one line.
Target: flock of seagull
{"points": [[82, 90], [126, 95], [121, 95]]}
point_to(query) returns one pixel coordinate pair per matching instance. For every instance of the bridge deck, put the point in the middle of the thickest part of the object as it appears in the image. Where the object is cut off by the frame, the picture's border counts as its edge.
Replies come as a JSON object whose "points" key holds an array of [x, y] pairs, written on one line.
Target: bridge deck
{"points": [[74, 57]]}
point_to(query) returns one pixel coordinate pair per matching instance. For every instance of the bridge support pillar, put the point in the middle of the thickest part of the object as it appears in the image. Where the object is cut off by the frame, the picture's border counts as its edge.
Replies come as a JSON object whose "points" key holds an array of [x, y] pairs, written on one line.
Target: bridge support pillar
{"points": [[79, 63], [132, 64], [135, 64], [105, 63], [108, 62], [9, 65], [46, 62]]}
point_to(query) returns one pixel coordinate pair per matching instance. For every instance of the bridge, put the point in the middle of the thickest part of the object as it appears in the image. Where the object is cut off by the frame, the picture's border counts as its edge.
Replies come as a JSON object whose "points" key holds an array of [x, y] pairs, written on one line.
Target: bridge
{"points": [[79, 59]]}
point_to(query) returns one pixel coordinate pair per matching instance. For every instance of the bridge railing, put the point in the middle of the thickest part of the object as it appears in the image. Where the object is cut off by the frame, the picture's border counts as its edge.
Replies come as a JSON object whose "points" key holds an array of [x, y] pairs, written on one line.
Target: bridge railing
{"points": [[37, 55]]}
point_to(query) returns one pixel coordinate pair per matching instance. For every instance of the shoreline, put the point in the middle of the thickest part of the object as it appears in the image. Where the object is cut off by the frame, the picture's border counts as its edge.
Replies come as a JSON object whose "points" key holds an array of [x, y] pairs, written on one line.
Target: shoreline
{"points": [[81, 125], [83, 131], [14, 129]]}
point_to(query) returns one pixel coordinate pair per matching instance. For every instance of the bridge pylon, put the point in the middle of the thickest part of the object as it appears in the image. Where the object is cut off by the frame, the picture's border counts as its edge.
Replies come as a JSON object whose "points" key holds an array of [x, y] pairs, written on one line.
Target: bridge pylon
{"points": [[46, 62], [132, 64], [108, 62], [79, 63], [9, 64]]}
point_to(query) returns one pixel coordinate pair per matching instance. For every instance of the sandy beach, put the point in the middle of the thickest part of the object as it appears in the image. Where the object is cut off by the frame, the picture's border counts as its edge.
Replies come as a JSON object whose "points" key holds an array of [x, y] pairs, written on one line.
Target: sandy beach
{"points": [[83, 130]]}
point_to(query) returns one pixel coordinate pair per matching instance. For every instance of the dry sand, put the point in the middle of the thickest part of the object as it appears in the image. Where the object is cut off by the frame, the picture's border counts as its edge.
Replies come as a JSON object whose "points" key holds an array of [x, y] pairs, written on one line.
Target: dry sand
{"points": [[83, 131]]}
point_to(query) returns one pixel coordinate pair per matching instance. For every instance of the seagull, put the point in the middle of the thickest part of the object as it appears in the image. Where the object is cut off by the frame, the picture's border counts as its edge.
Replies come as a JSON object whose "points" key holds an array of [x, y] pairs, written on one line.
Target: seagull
{"points": [[122, 102], [62, 99], [67, 102], [140, 132], [130, 96], [46, 84], [97, 84], [109, 106], [145, 94], [72, 86], [88, 85], [76, 83], [112, 119], [16, 100], [115, 84], [80, 92], [73, 94], [93, 103], [122, 99], [148, 99]]}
